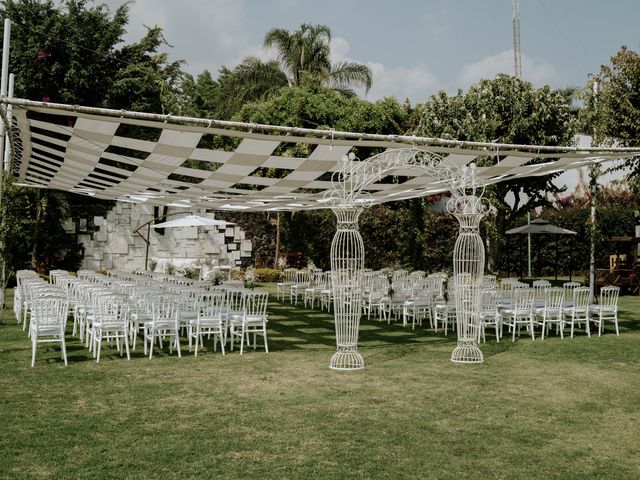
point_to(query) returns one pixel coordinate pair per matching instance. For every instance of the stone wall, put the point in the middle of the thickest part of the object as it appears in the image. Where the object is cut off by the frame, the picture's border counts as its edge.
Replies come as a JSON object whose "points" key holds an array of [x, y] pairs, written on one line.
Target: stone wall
{"points": [[115, 245]]}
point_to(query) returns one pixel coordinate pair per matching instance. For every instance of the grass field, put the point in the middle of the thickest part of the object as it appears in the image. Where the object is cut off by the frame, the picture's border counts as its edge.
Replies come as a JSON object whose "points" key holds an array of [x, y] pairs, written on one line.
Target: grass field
{"points": [[566, 409]]}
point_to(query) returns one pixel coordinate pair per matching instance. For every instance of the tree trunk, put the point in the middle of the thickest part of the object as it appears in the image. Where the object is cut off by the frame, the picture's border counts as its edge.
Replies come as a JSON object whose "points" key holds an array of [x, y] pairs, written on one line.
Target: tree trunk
{"points": [[40, 208], [277, 255], [593, 191]]}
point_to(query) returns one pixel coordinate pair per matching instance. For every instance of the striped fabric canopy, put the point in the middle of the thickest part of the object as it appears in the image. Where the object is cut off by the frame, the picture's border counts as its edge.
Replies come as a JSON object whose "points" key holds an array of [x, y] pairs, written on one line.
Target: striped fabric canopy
{"points": [[188, 162]]}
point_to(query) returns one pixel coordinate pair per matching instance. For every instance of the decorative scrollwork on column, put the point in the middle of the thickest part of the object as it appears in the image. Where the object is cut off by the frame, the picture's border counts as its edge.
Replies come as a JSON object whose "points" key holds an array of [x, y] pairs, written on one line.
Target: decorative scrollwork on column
{"points": [[348, 199]]}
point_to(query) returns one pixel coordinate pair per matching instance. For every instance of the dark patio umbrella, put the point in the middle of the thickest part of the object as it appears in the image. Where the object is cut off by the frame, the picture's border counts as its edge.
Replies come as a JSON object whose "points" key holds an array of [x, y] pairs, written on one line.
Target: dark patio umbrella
{"points": [[542, 227]]}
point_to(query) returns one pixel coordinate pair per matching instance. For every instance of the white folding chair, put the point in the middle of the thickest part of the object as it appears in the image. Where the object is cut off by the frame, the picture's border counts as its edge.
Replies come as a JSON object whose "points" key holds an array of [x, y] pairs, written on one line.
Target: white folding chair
{"points": [[552, 311], [164, 323], [253, 321], [577, 312], [48, 322], [111, 322], [209, 321], [607, 308]]}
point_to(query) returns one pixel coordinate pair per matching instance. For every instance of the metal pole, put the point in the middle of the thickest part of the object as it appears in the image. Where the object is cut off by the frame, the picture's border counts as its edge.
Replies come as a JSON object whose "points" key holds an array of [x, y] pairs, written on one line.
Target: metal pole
{"points": [[541, 151], [4, 77], [529, 247], [146, 254], [7, 150], [277, 255]]}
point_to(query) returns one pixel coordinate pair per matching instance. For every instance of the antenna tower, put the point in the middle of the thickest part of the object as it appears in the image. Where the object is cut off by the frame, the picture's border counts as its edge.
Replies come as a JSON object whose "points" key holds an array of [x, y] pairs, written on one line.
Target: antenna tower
{"points": [[517, 57]]}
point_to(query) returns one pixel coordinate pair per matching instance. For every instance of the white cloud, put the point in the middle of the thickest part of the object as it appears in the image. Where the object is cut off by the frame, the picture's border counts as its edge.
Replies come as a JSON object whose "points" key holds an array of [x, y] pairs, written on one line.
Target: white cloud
{"points": [[415, 83], [205, 33], [535, 70], [339, 49]]}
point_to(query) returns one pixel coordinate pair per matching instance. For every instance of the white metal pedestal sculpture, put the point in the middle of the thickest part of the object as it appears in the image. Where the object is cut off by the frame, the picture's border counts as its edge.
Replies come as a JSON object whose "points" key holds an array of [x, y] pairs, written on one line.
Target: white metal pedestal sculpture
{"points": [[347, 264], [468, 267]]}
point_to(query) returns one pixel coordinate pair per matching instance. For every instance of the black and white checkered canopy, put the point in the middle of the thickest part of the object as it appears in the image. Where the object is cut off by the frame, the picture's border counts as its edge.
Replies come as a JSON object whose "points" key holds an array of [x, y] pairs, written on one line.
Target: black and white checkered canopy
{"points": [[164, 160]]}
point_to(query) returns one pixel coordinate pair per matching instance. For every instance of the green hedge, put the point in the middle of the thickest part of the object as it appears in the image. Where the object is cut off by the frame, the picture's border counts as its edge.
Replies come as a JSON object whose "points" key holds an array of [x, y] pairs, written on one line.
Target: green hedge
{"points": [[267, 274]]}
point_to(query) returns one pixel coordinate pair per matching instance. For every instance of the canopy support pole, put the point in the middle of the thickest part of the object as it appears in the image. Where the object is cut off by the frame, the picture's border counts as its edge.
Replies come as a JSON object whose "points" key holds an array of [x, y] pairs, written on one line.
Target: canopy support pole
{"points": [[529, 247]]}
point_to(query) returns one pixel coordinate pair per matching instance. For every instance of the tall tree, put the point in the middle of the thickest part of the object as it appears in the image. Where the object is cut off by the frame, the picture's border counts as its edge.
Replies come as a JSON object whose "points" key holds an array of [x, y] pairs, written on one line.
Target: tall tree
{"points": [[72, 52], [505, 110], [611, 111], [302, 55], [313, 106]]}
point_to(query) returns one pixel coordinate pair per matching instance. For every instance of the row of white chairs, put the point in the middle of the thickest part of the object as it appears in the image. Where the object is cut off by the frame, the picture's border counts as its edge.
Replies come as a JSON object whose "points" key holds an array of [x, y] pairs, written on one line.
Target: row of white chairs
{"points": [[113, 310]]}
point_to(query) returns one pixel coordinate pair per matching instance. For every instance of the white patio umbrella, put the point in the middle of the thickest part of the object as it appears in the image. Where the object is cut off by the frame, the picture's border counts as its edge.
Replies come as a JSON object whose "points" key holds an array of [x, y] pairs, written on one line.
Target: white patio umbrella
{"points": [[193, 221]]}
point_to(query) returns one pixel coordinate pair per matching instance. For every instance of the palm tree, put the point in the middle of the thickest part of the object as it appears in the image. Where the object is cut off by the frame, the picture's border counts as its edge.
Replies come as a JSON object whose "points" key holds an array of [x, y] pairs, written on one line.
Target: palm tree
{"points": [[307, 51], [300, 54]]}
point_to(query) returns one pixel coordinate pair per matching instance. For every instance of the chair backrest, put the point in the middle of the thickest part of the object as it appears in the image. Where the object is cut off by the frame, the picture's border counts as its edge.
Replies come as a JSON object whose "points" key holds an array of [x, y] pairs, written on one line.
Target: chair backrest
{"points": [[289, 275], [539, 287], [302, 276], [400, 273], [508, 281], [417, 274], [489, 280], [581, 297], [428, 287], [233, 300], [190, 298], [609, 296], [49, 310], [112, 308], [568, 289], [165, 307], [553, 298], [254, 304], [523, 298], [318, 276], [489, 300], [211, 305]]}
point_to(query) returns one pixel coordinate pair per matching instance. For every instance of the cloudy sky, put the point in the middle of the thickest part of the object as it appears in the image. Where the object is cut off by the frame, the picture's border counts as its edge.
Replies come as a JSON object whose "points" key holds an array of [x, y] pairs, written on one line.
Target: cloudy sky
{"points": [[414, 47]]}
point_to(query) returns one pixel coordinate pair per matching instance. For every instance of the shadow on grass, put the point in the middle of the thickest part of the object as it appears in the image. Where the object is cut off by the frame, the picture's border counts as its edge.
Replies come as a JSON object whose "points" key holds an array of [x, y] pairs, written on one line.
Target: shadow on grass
{"points": [[291, 328]]}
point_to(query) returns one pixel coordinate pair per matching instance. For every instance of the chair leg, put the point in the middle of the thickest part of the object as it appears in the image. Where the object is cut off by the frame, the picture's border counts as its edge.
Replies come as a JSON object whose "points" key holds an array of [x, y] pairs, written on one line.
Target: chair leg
{"points": [[34, 342], [64, 349], [151, 344], [242, 340], [573, 321], [615, 319], [97, 345], [126, 344], [264, 335]]}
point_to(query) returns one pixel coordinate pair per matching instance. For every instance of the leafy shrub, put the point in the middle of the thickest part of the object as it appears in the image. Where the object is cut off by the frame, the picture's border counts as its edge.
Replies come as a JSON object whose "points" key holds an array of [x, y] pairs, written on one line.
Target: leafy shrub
{"points": [[192, 272], [267, 274]]}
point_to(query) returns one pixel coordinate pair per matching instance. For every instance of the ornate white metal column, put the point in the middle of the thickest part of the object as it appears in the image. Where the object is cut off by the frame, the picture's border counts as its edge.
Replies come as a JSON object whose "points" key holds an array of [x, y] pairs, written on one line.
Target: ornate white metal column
{"points": [[468, 265], [347, 264], [348, 198], [347, 261]]}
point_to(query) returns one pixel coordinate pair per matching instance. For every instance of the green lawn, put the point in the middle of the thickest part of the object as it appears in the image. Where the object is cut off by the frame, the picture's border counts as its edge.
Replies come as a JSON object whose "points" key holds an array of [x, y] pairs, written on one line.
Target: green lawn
{"points": [[555, 409]]}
